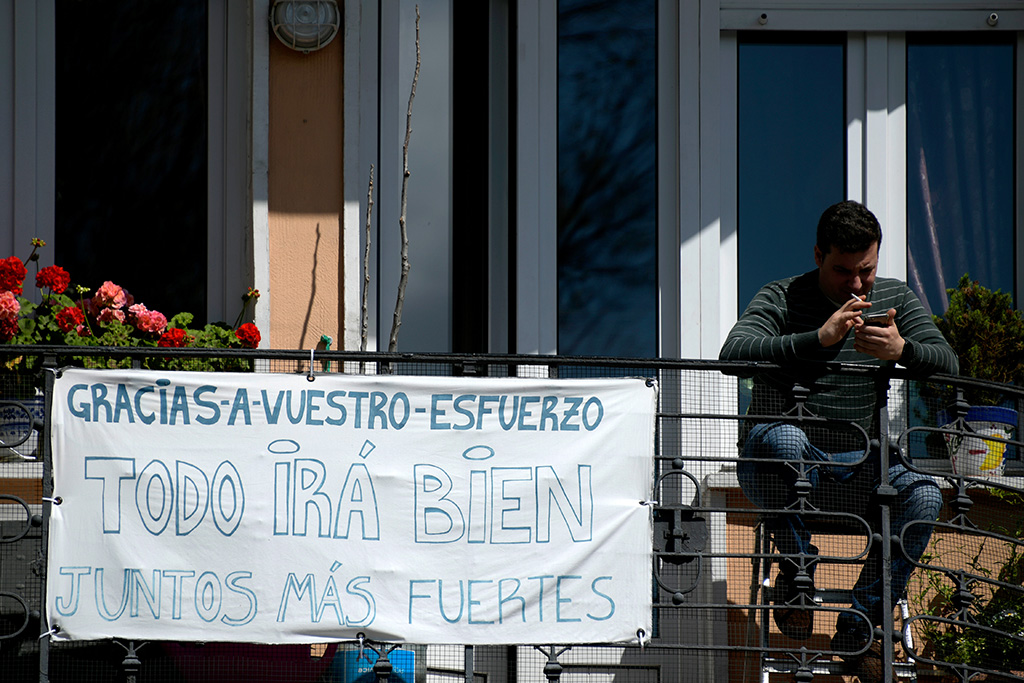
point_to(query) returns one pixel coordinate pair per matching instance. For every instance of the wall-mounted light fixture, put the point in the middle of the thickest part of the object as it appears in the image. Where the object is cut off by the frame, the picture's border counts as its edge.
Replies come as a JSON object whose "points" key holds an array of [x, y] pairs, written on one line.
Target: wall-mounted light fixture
{"points": [[305, 25]]}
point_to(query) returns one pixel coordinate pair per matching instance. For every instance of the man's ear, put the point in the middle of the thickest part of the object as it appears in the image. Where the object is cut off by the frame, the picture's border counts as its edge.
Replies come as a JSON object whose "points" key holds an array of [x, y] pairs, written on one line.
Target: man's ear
{"points": [[819, 258]]}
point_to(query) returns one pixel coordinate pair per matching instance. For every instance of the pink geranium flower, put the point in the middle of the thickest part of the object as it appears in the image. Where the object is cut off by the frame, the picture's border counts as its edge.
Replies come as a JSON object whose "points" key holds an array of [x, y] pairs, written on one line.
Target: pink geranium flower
{"points": [[9, 306], [146, 320], [9, 309], [110, 295], [108, 315]]}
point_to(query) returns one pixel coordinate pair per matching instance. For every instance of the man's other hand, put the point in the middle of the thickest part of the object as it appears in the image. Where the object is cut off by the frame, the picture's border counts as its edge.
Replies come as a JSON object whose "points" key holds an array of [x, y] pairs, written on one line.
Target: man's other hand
{"points": [[884, 343], [846, 317]]}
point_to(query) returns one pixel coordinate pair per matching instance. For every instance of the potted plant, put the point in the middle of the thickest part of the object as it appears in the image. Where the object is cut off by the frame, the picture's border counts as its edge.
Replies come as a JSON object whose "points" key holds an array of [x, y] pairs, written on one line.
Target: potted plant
{"points": [[987, 334], [79, 317], [975, 590], [73, 315]]}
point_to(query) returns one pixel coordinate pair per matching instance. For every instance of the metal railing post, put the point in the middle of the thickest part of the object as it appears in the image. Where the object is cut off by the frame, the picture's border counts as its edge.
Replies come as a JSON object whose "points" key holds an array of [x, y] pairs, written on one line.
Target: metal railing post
{"points": [[382, 668], [553, 668], [49, 378], [886, 496], [131, 664]]}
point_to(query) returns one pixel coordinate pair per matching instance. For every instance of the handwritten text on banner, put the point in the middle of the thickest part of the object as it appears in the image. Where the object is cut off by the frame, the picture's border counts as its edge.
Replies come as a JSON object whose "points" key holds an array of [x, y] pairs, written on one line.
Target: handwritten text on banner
{"points": [[267, 508]]}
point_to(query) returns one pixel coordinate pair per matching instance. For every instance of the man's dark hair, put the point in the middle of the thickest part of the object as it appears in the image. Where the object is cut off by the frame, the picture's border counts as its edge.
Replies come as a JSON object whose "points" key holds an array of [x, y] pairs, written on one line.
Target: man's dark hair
{"points": [[848, 226]]}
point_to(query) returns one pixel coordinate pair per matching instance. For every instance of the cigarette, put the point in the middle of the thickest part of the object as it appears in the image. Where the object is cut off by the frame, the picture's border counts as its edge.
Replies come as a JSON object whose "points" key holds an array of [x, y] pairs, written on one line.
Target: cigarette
{"points": [[856, 298]]}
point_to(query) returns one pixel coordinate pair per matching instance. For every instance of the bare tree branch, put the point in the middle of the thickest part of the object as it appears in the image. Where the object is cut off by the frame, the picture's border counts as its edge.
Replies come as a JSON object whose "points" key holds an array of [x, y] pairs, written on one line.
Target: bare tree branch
{"points": [[365, 319], [404, 280]]}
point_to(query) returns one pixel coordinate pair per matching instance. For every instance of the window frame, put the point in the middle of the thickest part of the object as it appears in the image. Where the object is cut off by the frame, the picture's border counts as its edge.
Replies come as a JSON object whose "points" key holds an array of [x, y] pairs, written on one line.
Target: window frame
{"points": [[232, 221], [876, 110], [697, 250]]}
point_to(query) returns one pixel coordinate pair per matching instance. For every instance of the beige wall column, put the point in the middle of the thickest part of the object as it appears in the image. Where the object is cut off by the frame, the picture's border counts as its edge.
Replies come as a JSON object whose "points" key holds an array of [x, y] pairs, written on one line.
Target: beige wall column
{"points": [[305, 195]]}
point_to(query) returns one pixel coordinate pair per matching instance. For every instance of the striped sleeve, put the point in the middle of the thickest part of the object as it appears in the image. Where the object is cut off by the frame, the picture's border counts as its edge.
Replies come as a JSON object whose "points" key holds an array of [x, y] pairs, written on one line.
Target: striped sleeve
{"points": [[761, 333], [929, 351]]}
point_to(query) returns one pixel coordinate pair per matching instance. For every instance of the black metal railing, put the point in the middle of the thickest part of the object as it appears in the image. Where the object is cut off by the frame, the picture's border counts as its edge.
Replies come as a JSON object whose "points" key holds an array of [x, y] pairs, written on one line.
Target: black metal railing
{"points": [[718, 556]]}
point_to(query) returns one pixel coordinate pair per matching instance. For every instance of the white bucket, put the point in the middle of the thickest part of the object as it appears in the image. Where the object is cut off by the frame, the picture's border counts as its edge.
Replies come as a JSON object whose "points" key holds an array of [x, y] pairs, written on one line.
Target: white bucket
{"points": [[976, 455]]}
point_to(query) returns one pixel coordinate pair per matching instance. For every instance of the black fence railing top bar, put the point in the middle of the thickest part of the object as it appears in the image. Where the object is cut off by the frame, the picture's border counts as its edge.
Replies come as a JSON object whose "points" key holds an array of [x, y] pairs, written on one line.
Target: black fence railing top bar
{"points": [[58, 355]]}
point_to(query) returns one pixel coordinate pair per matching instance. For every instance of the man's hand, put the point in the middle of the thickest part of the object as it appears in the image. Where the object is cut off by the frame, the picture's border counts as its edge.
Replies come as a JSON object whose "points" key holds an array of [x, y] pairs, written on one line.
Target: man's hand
{"points": [[836, 327], [884, 343]]}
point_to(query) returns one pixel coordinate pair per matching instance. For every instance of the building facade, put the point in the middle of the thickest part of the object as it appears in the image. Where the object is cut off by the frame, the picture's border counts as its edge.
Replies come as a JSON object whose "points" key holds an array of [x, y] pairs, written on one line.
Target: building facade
{"points": [[584, 178]]}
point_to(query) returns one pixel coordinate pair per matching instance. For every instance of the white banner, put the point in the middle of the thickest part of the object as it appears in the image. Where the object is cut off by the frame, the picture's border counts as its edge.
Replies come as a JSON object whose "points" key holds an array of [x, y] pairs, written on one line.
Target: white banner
{"points": [[268, 508]]}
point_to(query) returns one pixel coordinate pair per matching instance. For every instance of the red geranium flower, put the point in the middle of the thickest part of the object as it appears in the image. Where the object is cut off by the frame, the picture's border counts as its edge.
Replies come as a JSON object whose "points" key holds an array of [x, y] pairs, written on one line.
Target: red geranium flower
{"points": [[12, 274], [53, 277], [249, 335], [8, 328], [174, 337], [69, 318]]}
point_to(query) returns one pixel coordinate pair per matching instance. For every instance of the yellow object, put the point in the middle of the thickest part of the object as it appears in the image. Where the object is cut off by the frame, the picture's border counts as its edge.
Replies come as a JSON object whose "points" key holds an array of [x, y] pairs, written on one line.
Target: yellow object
{"points": [[994, 454]]}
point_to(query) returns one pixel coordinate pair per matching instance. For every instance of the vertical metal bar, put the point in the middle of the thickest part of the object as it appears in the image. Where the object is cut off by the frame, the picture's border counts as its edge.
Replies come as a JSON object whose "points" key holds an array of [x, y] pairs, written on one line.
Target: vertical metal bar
{"points": [[886, 496], [49, 378], [470, 664], [383, 668], [512, 663]]}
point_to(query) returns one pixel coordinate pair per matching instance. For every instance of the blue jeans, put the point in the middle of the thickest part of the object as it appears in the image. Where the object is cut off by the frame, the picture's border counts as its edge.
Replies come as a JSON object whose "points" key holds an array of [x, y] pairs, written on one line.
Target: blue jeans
{"points": [[771, 485]]}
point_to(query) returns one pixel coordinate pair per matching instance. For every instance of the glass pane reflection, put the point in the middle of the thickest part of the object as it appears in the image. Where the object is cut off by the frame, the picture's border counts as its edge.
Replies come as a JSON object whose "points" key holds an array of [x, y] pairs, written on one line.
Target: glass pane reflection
{"points": [[607, 100], [791, 157], [960, 170]]}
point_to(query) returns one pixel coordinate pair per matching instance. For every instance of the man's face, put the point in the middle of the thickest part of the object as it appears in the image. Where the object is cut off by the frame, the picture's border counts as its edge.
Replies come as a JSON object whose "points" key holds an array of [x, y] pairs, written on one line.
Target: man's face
{"points": [[841, 274]]}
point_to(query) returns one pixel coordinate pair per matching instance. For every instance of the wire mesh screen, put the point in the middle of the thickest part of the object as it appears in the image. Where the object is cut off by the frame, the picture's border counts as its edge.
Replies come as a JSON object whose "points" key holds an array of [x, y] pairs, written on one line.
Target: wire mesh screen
{"points": [[897, 511], [22, 567]]}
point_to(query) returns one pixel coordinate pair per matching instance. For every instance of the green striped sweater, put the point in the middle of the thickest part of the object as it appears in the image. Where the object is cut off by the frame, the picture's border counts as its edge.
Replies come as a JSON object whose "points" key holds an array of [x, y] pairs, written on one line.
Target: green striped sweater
{"points": [[781, 326]]}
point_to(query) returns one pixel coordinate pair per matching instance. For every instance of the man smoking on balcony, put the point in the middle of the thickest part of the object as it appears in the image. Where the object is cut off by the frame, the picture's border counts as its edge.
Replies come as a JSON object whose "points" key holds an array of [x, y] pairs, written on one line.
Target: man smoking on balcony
{"points": [[797, 323]]}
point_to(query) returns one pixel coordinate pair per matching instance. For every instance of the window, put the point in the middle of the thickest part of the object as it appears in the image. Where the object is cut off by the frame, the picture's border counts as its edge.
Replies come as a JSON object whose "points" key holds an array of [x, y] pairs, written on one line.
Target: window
{"points": [[157, 201], [493, 282], [960, 163], [607, 183], [131, 149], [790, 143]]}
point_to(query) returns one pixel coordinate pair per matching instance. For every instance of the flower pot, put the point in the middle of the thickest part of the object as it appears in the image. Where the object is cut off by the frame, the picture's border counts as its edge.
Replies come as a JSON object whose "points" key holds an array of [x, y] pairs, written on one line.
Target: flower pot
{"points": [[972, 454]]}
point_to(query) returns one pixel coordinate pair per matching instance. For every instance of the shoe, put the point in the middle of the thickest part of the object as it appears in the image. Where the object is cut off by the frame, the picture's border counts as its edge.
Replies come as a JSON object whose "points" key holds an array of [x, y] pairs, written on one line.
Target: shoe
{"points": [[865, 665], [794, 612]]}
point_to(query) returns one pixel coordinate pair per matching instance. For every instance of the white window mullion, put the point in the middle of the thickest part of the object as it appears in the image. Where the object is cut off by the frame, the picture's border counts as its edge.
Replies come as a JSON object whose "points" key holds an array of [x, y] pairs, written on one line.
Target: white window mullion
{"points": [[709, 327], [676, 74], [388, 174], [360, 104], [895, 218], [684, 248], [500, 60], [856, 110], [259, 161], [34, 124], [229, 254], [885, 145], [876, 96], [728, 257], [536, 178]]}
